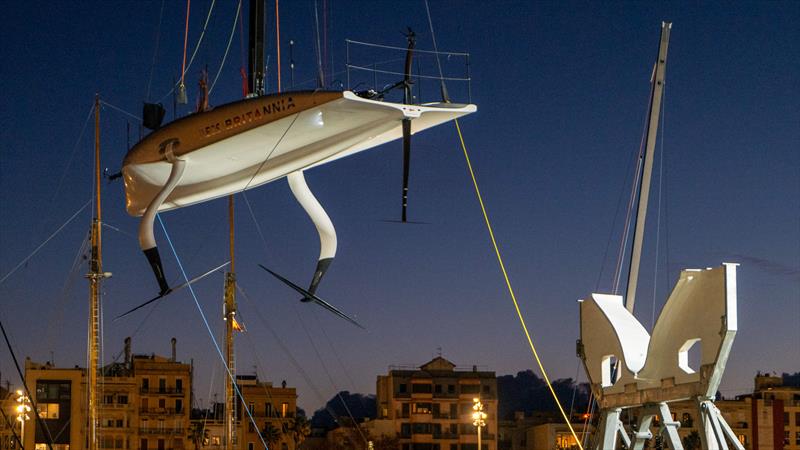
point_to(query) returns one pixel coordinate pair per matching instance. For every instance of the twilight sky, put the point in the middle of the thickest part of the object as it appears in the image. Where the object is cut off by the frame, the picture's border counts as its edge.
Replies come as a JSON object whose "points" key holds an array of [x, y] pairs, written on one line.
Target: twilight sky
{"points": [[562, 91]]}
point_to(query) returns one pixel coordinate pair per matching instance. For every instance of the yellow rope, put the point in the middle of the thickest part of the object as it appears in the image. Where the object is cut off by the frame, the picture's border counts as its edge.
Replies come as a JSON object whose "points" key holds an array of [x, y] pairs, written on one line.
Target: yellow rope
{"points": [[508, 285]]}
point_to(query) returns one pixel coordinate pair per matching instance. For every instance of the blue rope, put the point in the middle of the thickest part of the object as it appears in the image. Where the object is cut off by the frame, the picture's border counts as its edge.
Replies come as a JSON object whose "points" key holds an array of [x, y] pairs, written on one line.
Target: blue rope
{"points": [[211, 333]]}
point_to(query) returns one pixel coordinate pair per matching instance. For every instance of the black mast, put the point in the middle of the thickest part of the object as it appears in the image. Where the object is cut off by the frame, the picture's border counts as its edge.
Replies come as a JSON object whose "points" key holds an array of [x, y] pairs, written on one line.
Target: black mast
{"points": [[256, 47]]}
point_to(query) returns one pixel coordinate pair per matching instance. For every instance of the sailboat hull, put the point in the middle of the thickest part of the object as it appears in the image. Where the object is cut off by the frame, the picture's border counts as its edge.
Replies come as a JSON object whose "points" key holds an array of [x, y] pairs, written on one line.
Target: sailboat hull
{"points": [[251, 142]]}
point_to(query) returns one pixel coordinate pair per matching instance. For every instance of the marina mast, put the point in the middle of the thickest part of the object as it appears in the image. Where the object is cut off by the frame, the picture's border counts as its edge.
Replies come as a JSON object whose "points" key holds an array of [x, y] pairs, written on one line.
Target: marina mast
{"points": [[95, 276]]}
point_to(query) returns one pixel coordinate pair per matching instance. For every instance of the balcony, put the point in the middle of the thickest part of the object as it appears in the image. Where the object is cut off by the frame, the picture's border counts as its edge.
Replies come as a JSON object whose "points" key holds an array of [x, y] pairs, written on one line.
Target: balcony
{"points": [[162, 431], [160, 411], [160, 391]]}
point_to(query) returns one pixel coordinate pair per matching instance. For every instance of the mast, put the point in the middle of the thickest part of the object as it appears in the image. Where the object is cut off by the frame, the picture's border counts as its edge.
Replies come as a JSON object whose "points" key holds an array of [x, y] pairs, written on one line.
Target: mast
{"points": [[95, 275], [230, 320], [644, 183], [256, 47]]}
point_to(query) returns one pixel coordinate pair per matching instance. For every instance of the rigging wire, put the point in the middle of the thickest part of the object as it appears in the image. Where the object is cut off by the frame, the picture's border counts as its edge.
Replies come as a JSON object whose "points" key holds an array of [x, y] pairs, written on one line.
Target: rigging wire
{"points": [[330, 378], [208, 327], [71, 157], [194, 53], [53, 330], [13, 429], [228, 47], [155, 52], [185, 41], [436, 49], [39, 420], [282, 345], [318, 49], [658, 219], [129, 114], [631, 202], [278, 42], [39, 247], [508, 283]]}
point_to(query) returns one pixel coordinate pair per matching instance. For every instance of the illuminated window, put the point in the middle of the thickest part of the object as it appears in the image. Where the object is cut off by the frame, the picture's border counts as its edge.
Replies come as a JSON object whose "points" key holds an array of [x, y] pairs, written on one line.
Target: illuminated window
{"points": [[284, 409], [48, 410]]}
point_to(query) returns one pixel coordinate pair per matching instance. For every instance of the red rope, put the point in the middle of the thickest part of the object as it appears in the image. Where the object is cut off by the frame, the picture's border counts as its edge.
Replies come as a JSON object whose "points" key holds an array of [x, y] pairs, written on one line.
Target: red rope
{"points": [[185, 40]]}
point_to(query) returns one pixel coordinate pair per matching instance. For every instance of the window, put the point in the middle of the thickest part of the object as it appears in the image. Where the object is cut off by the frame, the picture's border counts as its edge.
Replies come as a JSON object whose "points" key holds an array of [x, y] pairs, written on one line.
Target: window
{"points": [[797, 438], [178, 405], [108, 399], [119, 443], [453, 410], [420, 388], [162, 403], [284, 409], [48, 410], [252, 408], [122, 399], [421, 428], [120, 423], [401, 388], [268, 409], [51, 390], [145, 404], [487, 389], [145, 384], [470, 388], [404, 410], [178, 385], [422, 408], [437, 389], [405, 429], [161, 444], [250, 446], [143, 444], [453, 428], [162, 386], [451, 389]]}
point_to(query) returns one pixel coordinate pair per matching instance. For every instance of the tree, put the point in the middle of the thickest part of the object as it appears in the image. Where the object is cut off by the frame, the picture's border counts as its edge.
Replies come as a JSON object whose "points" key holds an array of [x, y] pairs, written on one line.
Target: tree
{"points": [[198, 434], [298, 428], [692, 441], [271, 434]]}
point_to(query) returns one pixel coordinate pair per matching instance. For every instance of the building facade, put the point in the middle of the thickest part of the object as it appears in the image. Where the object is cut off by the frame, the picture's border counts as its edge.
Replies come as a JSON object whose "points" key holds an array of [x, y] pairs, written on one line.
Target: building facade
{"points": [[431, 407], [143, 403], [272, 412]]}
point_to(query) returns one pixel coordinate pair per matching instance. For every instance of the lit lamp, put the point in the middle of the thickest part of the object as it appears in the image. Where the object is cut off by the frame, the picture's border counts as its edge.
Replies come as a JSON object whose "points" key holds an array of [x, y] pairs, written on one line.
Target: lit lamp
{"points": [[23, 408], [478, 417]]}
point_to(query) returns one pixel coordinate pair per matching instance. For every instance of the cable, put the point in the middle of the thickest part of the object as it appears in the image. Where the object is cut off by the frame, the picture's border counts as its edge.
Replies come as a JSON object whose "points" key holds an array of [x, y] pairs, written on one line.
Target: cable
{"points": [[155, 52], [39, 420], [194, 53], [228, 47], [131, 115], [208, 328], [36, 250], [508, 283]]}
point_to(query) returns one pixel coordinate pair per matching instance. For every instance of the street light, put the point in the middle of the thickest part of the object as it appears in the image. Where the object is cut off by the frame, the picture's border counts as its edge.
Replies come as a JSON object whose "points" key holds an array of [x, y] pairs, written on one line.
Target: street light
{"points": [[23, 408], [478, 417]]}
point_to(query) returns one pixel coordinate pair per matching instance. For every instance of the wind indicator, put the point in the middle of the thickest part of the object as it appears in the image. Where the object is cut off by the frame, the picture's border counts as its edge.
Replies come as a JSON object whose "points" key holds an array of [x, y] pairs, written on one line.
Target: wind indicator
{"points": [[174, 289], [309, 297]]}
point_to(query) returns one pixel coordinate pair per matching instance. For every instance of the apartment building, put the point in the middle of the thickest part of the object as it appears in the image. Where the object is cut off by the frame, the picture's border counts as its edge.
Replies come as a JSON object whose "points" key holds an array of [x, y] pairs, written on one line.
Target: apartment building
{"points": [[430, 407]]}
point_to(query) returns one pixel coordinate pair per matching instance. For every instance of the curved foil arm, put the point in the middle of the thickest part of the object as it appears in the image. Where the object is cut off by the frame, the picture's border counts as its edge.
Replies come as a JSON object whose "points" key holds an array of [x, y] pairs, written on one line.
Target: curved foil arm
{"points": [[147, 240], [327, 234]]}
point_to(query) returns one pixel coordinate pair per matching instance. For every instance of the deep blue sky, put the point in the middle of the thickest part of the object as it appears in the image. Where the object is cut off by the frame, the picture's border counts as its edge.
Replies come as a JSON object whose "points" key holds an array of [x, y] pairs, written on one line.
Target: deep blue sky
{"points": [[562, 92]]}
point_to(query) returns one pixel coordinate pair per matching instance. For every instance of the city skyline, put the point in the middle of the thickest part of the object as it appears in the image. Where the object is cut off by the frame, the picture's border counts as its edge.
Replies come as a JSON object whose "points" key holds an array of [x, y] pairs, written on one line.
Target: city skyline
{"points": [[561, 95]]}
